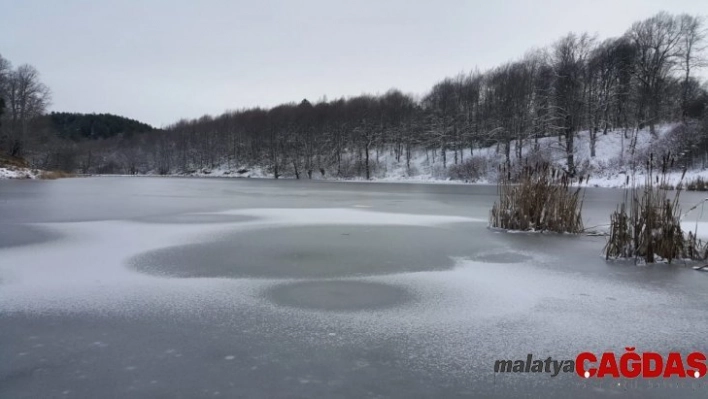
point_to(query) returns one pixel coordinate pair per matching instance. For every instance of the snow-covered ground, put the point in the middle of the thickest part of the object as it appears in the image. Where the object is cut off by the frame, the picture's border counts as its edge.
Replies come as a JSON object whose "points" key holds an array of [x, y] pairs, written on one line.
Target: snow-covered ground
{"points": [[226, 171], [610, 167], [17, 173]]}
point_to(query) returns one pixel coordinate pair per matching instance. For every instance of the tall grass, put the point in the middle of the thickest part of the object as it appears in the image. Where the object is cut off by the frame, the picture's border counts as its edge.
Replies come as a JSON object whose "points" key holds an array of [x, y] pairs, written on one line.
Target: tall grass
{"points": [[537, 198], [647, 224], [54, 174]]}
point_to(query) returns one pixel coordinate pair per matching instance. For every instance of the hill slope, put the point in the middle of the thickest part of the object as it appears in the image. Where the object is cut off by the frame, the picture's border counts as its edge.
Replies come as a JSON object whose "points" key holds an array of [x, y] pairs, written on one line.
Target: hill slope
{"points": [[616, 153], [76, 126]]}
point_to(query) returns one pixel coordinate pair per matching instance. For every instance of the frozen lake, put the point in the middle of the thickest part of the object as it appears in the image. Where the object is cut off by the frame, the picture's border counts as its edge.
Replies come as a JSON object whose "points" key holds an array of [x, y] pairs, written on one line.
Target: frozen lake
{"points": [[151, 287]]}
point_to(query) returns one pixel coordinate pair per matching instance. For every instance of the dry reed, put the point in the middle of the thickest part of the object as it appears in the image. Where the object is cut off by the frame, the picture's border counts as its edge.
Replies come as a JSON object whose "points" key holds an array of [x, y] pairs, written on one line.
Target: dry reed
{"points": [[647, 224], [542, 200], [54, 174]]}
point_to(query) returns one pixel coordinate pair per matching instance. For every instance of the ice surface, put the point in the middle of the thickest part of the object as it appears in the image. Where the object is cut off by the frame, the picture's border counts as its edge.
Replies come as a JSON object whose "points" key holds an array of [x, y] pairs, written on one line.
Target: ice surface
{"points": [[437, 328], [312, 251], [328, 295], [86, 272], [87, 269]]}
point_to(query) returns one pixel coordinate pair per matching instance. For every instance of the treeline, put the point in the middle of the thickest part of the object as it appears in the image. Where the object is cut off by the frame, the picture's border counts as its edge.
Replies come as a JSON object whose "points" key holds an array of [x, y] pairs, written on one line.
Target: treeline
{"points": [[76, 126], [641, 79], [59, 140], [579, 83]]}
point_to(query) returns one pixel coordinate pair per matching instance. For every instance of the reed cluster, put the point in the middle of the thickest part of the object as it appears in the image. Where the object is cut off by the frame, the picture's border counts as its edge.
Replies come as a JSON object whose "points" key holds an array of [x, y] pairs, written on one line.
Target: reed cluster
{"points": [[647, 225], [537, 198]]}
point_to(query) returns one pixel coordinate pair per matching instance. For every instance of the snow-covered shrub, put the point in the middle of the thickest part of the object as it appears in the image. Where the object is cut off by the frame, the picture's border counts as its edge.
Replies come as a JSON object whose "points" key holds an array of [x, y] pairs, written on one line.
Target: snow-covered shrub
{"points": [[345, 168], [351, 167], [412, 171], [494, 167], [437, 171], [539, 156], [377, 169], [472, 169], [608, 167], [109, 168], [520, 167], [675, 139]]}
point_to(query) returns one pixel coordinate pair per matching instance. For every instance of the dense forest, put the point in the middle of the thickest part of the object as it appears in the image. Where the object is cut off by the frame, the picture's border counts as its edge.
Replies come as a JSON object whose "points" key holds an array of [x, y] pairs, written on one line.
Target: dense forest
{"points": [[78, 127], [579, 83]]}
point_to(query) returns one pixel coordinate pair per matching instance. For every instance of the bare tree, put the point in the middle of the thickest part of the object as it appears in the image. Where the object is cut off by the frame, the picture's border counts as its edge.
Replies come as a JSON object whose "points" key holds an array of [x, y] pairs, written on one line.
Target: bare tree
{"points": [[657, 41], [367, 132], [569, 62], [441, 105], [5, 71], [27, 98], [690, 51]]}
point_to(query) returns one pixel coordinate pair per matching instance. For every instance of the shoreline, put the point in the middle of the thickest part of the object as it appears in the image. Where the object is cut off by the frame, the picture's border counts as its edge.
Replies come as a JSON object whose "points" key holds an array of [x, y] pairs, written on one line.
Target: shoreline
{"points": [[591, 184], [614, 182]]}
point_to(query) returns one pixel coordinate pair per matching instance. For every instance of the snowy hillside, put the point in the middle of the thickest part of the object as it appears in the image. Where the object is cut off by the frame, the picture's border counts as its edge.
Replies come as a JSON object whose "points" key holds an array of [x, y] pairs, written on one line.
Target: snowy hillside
{"points": [[609, 167]]}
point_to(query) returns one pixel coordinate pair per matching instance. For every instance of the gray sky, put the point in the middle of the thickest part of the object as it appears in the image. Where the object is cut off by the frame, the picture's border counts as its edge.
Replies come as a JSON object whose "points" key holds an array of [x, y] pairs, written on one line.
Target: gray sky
{"points": [[159, 61]]}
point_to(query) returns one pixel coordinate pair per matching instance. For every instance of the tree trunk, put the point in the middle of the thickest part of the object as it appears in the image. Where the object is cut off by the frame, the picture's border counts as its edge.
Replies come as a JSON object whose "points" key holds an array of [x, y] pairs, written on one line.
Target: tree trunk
{"points": [[569, 138], [408, 158], [444, 155], [593, 140]]}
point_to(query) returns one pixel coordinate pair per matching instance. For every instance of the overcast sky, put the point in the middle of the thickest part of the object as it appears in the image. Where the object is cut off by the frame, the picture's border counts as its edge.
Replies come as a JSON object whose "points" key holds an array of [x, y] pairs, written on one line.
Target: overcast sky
{"points": [[159, 61]]}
